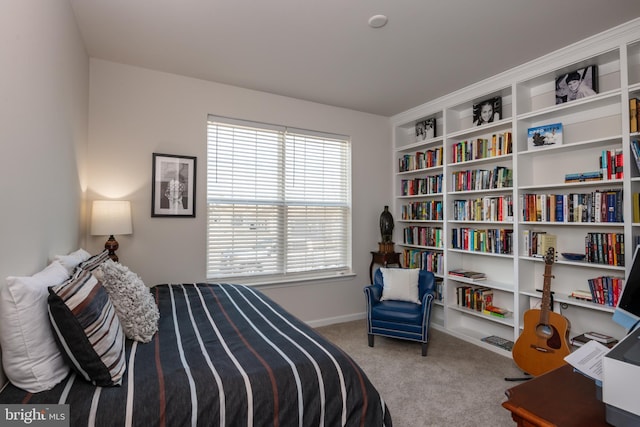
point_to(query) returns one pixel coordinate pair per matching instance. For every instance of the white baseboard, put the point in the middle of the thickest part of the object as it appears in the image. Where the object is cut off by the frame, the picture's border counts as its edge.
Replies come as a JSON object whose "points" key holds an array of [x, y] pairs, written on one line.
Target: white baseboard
{"points": [[338, 319]]}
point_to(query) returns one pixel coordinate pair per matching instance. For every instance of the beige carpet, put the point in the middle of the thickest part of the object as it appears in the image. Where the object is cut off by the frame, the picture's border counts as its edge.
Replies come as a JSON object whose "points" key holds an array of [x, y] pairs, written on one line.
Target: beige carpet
{"points": [[457, 384]]}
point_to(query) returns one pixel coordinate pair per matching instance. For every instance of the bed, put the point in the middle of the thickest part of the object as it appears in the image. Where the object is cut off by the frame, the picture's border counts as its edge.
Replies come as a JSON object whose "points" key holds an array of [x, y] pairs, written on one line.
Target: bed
{"points": [[223, 355]]}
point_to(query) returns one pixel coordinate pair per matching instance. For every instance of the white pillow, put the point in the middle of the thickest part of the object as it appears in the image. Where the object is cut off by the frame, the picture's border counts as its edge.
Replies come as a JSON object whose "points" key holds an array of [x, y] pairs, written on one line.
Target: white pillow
{"points": [[73, 259], [400, 284], [134, 304], [30, 355]]}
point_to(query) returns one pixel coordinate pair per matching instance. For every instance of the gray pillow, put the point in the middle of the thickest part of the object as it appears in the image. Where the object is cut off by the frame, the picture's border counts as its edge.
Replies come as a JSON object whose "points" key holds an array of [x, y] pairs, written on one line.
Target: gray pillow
{"points": [[132, 300]]}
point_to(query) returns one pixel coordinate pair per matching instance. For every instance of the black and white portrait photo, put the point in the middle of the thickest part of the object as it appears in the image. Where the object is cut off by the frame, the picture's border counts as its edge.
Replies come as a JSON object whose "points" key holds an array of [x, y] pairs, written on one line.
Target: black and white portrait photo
{"points": [[426, 129], [577, 84], [173, 185], [487, 111]]}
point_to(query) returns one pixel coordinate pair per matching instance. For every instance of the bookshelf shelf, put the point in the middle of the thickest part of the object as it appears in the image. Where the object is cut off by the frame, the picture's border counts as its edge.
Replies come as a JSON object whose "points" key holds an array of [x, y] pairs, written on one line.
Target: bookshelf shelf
{"points": [[597, 143], [505, 287], [508, 321], [593, 128], [574, 185], [480, 192], [421, 196], [566, 299], [572, 224], [577, 264], [422, 171], [434, 142]]}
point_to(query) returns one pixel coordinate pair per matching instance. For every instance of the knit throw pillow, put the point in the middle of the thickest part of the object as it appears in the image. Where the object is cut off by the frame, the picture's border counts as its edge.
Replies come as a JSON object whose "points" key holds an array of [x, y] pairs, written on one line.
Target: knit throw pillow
{"points": [[132, 300]]}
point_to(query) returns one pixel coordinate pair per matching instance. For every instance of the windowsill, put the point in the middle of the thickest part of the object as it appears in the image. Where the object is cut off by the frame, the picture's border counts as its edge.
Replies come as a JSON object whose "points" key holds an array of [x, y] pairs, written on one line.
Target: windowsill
{"points": [[273, 283]]}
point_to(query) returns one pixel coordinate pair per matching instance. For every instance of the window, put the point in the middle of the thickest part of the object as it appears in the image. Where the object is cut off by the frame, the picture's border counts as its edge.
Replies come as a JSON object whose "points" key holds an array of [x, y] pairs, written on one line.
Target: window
{"points": [[278, 202]]}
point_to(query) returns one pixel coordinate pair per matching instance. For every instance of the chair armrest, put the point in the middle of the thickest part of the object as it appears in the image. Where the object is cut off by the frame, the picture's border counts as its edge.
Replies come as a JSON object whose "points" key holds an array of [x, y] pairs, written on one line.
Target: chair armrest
{"points": [[427, 299], [373, 293]]}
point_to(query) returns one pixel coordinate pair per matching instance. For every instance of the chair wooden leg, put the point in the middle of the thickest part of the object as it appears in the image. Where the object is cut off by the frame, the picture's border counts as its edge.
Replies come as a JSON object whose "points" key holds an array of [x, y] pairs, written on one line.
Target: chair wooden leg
{"points": [[370, 340], [424, 348]]}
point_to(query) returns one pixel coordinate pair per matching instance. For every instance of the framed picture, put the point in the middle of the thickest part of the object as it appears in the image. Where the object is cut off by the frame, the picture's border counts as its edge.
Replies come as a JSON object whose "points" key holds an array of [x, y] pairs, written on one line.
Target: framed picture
{"points": [[577, 84], [487, 111], [544, 136], [173, 188], [426, 129]]}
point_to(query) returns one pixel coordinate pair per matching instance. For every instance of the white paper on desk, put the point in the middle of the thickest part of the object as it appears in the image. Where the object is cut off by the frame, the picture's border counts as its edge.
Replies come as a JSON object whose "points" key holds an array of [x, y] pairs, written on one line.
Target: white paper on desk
{"points": [[588, 359]]}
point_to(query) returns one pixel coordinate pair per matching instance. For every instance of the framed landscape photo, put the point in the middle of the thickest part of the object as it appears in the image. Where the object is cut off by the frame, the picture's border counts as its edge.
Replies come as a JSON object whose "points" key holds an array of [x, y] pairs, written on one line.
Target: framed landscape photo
{"points": [[577, 84], [544, 136], [173, 186], [426, 129], [487, 111]]}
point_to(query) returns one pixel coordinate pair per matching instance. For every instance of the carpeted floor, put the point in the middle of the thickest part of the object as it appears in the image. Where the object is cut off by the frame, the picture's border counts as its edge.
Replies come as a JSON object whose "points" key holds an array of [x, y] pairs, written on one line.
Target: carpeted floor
{"points": [[457, 384]]}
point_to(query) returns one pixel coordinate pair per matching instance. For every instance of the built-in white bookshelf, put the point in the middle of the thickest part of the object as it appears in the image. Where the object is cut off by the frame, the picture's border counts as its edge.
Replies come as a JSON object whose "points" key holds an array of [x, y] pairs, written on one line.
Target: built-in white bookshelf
{"points": [[495, 214]]}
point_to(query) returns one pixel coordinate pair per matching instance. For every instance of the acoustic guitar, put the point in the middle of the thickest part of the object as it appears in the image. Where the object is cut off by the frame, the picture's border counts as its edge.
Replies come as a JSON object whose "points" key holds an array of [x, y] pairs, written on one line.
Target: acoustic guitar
{"points": [[543, 344]]}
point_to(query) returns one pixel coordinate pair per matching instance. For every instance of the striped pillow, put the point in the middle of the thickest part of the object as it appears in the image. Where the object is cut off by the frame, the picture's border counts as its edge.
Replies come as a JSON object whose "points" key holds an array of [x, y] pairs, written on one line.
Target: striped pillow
{"points": [[87, 329], [94, 262]]}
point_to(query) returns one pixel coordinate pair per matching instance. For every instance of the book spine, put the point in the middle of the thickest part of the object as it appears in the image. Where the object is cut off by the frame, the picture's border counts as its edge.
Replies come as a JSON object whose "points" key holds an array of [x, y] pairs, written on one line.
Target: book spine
{"points": [[633, 115]]}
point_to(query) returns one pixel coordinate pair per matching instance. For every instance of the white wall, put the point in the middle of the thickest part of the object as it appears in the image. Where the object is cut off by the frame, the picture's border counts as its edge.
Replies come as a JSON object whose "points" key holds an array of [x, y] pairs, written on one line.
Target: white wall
{"points": [[44, 94], [135, 112], [43, 132]]}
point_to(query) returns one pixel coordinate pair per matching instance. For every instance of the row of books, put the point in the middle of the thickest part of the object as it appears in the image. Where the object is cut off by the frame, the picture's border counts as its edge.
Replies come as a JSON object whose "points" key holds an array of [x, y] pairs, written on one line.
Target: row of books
{"points": [[488, 208], [596, 206], [427, 185], [537, 243], [605, 290], [475, 298], [479, 299], [421, 160], [497, 241], [439, 289], [427, 210], [611, 164], [605, 248], [424, 260], [481, 148], [635, 206], [423, 236], [482, 179], [635, 151], [634, 114]]}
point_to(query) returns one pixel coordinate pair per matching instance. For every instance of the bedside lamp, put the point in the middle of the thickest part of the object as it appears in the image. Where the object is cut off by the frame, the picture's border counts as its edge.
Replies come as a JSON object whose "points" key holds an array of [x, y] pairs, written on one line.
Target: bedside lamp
{"points": [[109, 217]]}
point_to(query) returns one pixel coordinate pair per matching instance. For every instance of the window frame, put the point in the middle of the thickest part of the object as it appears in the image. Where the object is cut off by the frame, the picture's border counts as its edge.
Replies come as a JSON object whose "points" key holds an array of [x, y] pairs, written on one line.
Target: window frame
{"points": [[345, 207]]}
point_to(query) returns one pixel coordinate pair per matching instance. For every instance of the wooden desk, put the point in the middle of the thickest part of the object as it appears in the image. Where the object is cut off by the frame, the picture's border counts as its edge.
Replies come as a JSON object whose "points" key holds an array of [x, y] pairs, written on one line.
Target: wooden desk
{"points": [[383, 258], [561, 397]]}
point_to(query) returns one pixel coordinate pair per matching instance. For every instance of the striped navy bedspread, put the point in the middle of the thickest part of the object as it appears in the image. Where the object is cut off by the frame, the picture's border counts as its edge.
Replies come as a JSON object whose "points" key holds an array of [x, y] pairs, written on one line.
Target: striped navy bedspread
{"points": [[224, 355]]}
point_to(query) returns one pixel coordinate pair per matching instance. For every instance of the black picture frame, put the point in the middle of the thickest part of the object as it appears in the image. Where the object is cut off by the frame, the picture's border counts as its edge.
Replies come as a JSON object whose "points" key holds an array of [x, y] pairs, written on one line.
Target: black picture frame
{"points": [[173, 186], [426, 129], [487, 111], [577, 84]]}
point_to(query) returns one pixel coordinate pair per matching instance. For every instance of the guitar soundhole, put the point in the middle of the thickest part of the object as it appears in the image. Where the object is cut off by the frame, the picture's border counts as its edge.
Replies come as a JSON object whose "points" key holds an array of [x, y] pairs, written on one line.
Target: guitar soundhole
{"points": [[549, 333]]}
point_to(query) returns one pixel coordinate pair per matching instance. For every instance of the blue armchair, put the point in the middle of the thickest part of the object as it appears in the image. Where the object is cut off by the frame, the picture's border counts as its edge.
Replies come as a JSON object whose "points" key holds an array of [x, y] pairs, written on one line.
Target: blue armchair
{"points": [[400, 319]]}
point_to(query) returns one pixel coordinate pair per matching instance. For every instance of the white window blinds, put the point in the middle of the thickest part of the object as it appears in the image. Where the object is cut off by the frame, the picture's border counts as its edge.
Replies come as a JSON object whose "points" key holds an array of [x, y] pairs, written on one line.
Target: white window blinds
{"points": [[279, 201]]}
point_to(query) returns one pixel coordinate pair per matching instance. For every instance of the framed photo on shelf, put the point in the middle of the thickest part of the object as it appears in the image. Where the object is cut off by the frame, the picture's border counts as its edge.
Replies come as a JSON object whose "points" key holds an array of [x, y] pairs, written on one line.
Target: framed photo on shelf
{"points": [[426, 129], [577, 84], [173, 186], [544, 136], [487, 111]]}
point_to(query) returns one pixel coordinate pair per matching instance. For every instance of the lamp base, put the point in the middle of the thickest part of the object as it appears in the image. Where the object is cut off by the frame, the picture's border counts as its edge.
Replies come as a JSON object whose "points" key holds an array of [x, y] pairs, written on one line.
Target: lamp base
{"points": [[386, 247], [112, 245]]}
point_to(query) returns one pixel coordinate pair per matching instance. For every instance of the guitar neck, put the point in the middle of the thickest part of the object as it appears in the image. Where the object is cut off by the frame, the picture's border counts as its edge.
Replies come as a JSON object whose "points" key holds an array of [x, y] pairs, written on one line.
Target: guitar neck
{"points": [[546, 295]]}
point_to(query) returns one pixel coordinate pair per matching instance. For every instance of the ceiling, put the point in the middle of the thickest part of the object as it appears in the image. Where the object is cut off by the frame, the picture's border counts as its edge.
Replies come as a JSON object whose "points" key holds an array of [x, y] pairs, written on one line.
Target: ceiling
{"points": [[324, 51]]}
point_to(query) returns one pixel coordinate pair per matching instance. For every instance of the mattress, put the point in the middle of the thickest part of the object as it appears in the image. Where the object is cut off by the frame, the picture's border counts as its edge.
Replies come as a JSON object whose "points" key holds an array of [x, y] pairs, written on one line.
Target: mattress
{"points": [[223, 355]]}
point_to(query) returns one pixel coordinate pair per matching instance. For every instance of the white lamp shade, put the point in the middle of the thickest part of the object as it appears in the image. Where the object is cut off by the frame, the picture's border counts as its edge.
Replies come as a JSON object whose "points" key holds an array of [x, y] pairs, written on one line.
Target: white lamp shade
{"points": [[109, 217]]}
